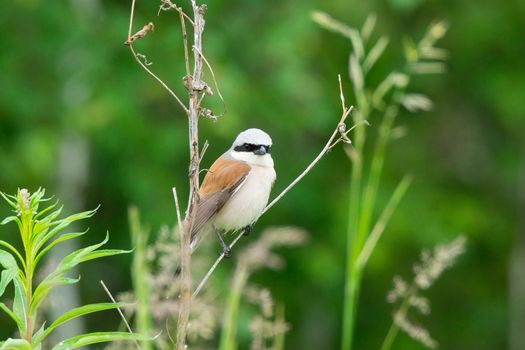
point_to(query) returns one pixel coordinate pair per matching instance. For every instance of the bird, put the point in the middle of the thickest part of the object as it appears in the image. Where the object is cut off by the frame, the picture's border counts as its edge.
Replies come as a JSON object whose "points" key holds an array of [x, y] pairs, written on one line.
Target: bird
{"points": [[235, 189]]}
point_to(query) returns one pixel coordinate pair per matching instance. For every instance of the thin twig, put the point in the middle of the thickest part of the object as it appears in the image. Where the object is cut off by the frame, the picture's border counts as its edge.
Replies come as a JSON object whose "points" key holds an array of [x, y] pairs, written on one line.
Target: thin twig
{"points": [[119, 311], [329, 144], [185, 40], [214, 82], [173, 6], [164, 85], [203, 151], [144, 66], [177, 207], [131, 14]]}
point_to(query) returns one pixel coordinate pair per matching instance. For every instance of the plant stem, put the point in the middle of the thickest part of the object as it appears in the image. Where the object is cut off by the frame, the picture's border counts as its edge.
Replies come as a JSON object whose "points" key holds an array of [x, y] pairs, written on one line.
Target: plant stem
{"points": [[229, 329], [139, 271], [376, 168], [353, 275], [195, 89], [394, 328], [27, 232]]}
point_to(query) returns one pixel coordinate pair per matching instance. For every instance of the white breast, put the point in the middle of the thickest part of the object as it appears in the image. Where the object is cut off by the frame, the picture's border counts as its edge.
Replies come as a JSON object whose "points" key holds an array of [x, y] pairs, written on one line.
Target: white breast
{"points": [[246, 205]]}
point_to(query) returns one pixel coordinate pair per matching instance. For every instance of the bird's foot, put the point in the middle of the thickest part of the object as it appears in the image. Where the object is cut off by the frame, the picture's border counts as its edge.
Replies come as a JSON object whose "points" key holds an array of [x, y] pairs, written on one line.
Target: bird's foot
{"points": [[247, 229], [226, 251]]}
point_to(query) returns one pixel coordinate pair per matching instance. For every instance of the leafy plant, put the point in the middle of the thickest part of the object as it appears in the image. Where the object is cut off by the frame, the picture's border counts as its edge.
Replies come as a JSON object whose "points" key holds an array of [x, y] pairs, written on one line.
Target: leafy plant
{"points": [[40, 231], [384, 101]]}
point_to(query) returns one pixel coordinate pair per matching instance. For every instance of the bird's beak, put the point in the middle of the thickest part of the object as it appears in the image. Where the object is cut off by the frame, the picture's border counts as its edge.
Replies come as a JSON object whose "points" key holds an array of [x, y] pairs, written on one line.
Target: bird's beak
{"points": [[261, 151]]}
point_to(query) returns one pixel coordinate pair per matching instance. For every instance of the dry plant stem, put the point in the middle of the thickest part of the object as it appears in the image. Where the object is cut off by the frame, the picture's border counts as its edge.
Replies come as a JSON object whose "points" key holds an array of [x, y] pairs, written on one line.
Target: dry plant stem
{"points": [[164, 85], [332, 141], [185, 40], [177, 207], [119, 311], [195, 87], [214, 80]]}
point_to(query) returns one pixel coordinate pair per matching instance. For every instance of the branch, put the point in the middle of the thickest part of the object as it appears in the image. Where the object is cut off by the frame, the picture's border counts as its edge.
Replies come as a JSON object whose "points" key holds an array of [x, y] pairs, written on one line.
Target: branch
{"points": [[195, 87], [339, 130], [129, 42], [119, 311]]}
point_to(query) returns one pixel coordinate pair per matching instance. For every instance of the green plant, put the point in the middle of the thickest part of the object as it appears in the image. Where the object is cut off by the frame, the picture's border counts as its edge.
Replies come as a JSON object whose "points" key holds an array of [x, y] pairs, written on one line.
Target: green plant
{"points": [[41, 230], [255, 256], [408, 296], [385, 99]]}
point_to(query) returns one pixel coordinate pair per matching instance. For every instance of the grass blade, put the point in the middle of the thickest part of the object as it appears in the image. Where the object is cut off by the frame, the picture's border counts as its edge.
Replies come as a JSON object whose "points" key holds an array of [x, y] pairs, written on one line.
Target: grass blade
{"points": [[381, 223]]}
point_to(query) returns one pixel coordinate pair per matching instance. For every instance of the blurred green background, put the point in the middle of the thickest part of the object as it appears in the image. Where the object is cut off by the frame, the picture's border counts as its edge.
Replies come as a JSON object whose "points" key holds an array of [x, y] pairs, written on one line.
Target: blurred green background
{"points": [[79, 117]]}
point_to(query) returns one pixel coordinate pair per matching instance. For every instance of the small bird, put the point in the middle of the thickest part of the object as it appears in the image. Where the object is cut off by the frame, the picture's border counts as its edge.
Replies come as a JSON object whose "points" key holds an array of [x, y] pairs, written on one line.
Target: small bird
{"points": [[236, 188]]}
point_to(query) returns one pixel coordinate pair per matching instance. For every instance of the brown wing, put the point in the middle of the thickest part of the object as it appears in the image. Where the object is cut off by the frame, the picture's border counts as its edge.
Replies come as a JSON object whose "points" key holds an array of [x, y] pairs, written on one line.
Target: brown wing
{"points": [[222, 179]]}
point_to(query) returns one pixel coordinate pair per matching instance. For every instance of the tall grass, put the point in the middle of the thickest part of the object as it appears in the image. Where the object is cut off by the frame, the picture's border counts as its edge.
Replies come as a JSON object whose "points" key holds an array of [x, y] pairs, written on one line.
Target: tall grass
{"points": [[380, 105], [140, 275]]}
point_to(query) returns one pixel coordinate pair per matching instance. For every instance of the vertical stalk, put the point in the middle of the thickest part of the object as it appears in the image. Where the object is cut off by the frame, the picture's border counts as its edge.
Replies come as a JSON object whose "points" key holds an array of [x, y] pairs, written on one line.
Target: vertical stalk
{"points": [[229, 329], [195, 89], [360, 216], [353, 275], [139, 276], [376, 168], [26, 216]]}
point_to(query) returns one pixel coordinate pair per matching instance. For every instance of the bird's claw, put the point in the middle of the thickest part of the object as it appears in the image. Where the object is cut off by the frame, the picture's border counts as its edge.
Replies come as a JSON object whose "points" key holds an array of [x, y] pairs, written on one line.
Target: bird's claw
{"points": [[246, 230], [226, 251]]}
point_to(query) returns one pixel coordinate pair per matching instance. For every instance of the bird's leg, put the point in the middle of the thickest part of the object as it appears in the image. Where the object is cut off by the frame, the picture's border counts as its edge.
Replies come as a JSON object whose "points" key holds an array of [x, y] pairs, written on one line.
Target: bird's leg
{"points": [[247, 229], [226, 250]]}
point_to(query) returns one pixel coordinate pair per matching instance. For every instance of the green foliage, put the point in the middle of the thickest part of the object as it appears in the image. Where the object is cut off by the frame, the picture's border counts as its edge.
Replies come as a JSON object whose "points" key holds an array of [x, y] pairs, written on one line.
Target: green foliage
{"points": [[65, 71], [384, 99], [41, 230]]}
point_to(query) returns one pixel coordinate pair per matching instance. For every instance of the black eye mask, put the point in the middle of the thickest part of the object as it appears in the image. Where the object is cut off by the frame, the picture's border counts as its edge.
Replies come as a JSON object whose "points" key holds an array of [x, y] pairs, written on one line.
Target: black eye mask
{"points": [[250, 147]]}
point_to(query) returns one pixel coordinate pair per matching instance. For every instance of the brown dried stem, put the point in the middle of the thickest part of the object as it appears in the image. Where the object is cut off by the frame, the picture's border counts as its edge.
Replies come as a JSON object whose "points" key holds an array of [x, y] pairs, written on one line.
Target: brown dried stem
{"points": [[195, 87], [196, 91], [129, 42]]}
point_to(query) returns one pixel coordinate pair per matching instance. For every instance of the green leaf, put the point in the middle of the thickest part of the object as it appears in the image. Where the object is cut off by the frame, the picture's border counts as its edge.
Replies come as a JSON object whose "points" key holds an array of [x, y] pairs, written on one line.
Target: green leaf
{"points": [[43, 212], [62, 238], [77, 312], [61, 225], [84, 254], [37, 337], [47, 286], [19, 304], [12, 315], [103, 253], [13, 250], [375, 53], [8, 200], [10, 269], [9, 219], [73, 259], [98, 337], [52, 216], [15, 344]]}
